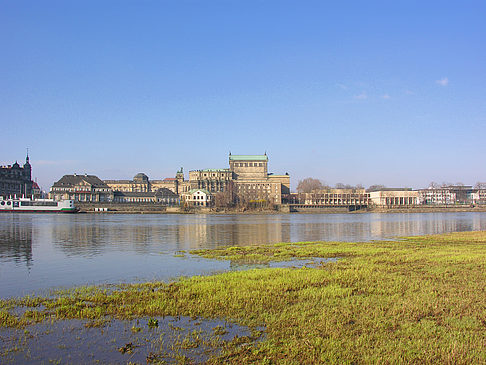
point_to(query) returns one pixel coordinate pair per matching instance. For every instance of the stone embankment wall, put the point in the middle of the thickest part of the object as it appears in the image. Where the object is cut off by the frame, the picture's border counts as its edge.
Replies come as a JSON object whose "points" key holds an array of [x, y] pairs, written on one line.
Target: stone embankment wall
{"points": [[429, 209], [124, 208]]}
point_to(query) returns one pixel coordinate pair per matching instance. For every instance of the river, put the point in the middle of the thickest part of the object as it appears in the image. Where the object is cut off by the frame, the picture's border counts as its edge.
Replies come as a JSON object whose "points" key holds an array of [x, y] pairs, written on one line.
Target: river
{"points": [[39, 252]]}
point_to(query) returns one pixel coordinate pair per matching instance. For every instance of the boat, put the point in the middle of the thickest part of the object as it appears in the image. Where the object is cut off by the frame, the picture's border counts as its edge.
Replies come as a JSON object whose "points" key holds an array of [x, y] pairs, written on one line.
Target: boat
{"points": [[27, 205]]}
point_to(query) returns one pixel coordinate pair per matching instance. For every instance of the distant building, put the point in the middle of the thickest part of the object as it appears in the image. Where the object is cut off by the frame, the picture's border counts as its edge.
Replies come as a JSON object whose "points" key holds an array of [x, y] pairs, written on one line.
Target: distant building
{"points": [[335, 197], [197, 197], [16, 180], [36, 191], [394, 197], [252, 180], [247, 175], [141, 183], [213, 180], [478, 196], [453, 194], [81, 188], [163, 196]]}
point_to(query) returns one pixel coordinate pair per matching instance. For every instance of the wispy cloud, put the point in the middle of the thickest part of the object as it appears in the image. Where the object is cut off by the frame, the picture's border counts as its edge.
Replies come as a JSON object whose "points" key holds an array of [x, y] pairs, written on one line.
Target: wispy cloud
{"points": [[409, 92], [386, 96], [361, 96], [443, 82]]}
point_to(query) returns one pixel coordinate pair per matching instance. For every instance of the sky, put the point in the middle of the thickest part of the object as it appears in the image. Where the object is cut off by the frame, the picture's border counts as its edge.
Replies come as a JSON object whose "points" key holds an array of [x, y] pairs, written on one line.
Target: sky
{"points": [[354, 92]]}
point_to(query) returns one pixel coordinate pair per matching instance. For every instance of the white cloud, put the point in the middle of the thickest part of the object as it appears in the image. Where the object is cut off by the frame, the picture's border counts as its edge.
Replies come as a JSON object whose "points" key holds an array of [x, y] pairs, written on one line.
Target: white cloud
{"points": [[443, 82], [409, 92], [342, 86], [386, 96], [361, 96]]}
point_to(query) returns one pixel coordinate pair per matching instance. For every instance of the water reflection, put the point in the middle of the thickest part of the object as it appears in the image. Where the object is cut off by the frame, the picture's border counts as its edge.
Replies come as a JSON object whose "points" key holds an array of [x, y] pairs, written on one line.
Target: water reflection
{"points": [[16, 241], [41, 251]]}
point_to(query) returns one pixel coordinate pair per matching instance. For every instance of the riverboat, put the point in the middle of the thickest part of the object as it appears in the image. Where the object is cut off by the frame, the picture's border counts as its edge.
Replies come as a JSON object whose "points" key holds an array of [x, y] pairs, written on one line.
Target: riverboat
{"points": [[20, 205]]}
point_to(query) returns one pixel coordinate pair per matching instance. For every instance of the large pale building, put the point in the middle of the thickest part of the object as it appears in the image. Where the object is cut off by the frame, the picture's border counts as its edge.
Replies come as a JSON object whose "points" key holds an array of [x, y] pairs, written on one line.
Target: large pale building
{"points": [[247, 175], [336, 197], [81, 188], [394, 197], [254, 182], [142, 184], [453, 194]]}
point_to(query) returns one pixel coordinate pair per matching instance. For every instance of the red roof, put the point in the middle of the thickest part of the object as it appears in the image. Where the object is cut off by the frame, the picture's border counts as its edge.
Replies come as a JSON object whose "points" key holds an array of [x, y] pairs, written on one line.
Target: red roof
{"points": [[35, 186], [170, 179]]}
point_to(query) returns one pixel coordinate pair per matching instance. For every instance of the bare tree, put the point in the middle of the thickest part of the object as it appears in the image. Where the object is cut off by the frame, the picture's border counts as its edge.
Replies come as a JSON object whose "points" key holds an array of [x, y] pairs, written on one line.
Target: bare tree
{"points": [[376, 187], [226, 198], [433, 185], [480, 185], [344, 186], [309, 185]]}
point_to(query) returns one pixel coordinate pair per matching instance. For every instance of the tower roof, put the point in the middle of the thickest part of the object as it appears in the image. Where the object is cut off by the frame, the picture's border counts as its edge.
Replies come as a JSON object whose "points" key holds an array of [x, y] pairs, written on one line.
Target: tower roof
{"points": [[248, 158]]}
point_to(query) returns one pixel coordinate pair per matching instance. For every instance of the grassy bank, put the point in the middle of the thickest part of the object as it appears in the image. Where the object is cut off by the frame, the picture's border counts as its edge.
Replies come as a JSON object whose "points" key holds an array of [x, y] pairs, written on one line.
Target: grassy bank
{"points": [[419, 299]]}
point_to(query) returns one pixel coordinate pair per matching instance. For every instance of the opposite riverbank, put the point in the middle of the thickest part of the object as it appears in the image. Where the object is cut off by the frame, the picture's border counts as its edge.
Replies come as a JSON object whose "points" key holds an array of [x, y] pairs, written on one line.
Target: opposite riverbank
{"points": [[413, 300], [152, 208]]}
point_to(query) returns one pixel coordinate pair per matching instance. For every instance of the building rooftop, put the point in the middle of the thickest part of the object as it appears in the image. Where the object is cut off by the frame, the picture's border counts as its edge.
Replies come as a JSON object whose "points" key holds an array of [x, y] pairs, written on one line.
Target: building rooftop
{"points": [[192, 191], [71, 180], [248, 158]]}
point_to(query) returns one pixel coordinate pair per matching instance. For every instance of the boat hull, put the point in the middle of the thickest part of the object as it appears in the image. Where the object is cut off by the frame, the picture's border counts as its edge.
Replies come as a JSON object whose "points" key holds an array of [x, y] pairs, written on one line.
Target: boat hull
{"points": [[25, 205]]}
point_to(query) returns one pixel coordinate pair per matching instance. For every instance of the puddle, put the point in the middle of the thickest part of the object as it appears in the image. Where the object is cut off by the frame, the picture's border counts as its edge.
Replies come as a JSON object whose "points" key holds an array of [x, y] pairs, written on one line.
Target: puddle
{"points": [[296, 263], [146, 340]]}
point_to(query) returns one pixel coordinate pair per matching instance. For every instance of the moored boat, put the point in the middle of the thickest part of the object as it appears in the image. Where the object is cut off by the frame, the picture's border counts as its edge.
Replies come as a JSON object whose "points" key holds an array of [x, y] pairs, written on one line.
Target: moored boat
{"points": [[28, 205]]}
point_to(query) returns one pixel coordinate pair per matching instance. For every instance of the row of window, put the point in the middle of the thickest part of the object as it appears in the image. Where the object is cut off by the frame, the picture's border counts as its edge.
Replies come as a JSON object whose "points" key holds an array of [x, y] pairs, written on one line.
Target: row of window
{"points": [[248, 164]]}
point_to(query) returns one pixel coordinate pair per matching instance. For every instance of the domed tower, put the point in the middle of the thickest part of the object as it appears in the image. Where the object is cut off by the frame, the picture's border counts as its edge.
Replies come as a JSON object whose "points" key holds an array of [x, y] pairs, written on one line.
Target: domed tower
{"points": [[141, 183]]}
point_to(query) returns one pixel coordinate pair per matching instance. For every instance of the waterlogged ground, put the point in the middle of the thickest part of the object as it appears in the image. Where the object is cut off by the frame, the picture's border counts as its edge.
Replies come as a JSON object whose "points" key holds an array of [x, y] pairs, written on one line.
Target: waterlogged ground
{"points": [[413, 300], [140, 341]]}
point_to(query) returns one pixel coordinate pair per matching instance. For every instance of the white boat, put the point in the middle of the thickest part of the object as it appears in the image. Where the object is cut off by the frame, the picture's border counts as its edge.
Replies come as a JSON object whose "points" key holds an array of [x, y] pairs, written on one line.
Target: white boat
{"points": [[36, 205]]}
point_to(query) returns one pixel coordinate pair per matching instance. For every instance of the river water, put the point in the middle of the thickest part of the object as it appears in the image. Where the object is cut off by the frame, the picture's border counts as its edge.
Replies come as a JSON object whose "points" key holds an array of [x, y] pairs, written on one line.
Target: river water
{"points": [[39, 252]]}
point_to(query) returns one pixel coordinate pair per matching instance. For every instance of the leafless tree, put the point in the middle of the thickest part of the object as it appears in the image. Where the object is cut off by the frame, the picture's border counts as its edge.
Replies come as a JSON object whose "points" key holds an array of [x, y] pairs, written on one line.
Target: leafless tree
{"points": [[480, 185], [376, 187], [309, 185], [348, 186], [433, 185], [226, 198]]}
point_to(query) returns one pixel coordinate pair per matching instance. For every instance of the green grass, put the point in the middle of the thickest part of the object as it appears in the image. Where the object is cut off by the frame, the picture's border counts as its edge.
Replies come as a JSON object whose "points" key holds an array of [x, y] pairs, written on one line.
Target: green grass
{"points": [[415, 300]]}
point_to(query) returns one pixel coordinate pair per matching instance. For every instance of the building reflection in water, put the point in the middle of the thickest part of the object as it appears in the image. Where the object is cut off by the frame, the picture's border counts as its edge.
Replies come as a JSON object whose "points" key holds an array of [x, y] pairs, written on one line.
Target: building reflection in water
{"points": [[16, 240], [93, 235]]}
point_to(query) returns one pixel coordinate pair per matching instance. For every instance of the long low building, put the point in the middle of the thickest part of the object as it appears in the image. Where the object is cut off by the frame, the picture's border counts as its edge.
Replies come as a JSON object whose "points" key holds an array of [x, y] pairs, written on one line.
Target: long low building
{"points": [[393, 197]]}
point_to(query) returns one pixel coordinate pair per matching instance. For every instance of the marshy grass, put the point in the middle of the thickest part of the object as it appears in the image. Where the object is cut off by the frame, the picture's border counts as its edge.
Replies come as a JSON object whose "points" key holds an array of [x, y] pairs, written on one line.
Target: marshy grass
{"points": [[413, 300]]}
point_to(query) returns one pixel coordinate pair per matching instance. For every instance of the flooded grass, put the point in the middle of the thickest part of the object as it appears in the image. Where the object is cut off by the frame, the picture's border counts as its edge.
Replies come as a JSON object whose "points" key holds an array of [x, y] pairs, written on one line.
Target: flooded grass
{"points": [[415, 300], [72, 341]]}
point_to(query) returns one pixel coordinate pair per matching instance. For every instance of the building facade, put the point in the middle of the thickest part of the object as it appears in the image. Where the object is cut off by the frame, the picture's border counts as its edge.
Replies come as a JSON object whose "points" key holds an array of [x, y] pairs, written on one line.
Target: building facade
{"points": [[336, 197], [453, 194], [81, 188], [252, 180], [394, 197], [212, 180], [141, 183], [247, 176], [16, 180], [197, 198]]}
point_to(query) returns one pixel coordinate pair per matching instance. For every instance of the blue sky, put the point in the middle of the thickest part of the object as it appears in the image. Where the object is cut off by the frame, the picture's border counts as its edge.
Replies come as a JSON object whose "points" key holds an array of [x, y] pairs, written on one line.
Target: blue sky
{"points": [[380, 92]]}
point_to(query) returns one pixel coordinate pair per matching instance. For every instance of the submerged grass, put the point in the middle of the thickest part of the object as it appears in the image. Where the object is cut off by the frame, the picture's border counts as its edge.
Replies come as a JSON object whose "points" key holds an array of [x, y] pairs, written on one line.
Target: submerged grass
{"points": [[419, 299]]}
